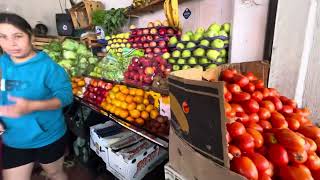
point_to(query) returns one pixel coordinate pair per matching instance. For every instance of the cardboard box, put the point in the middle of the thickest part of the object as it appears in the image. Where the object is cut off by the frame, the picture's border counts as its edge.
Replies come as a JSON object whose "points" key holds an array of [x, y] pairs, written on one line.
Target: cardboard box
{"points": [[136, 161], [190, 164], [172, 174], [198, 114]]}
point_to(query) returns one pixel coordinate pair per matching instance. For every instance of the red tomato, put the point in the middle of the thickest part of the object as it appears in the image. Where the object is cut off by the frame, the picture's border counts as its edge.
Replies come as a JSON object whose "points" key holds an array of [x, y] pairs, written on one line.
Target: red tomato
{"points": [[234, 88], [269, 171], [258, 138], [302, 120], [241, 80], [244, 166], [241, 96], [251, 76], [259, 84], [257, 95], [316, 174], [313, 162], [226, 75], [227, 107], [264, 114], [234, 150], [255, 126], [273, 92], [249, 88], [291, 103], [242, 117], [234, 71], [312, 145], [245, 142], [265, 124], [262, 150], [254, 117], [278, 121], [264, 176], [278, 155], [228, 96], [265, 92], [298, 157], [284, 99], [231, 114], [290, 140], [236, 129], [287, 109], [296, 172], [303, 112], [312, 132], [250, 106], [293, 124], [317, 141], [237, 107], [268, 105], [276, 101], [260, 162]]}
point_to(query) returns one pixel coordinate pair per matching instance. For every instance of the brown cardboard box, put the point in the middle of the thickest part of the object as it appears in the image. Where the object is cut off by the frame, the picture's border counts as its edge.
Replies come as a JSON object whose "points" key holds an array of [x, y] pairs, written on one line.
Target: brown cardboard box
{"points": [[191, 165], [201, 124]]}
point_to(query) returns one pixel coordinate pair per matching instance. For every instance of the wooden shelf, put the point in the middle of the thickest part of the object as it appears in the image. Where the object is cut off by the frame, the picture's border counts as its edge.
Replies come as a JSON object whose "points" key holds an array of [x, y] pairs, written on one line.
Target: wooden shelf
{"points": [[153, 5]]}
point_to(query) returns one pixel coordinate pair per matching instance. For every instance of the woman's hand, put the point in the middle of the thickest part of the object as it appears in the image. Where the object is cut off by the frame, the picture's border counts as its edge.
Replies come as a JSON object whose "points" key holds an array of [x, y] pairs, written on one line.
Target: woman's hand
{"points": [[21, 107]]}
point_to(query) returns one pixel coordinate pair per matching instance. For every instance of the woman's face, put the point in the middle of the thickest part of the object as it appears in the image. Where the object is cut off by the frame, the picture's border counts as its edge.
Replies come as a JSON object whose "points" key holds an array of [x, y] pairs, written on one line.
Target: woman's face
{"points": [[14, 42]]}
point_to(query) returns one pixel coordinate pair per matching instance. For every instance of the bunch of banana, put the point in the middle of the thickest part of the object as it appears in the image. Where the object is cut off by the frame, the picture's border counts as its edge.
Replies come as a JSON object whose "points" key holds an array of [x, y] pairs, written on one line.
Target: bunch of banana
{"points": [[139, 3], [171, 10]]}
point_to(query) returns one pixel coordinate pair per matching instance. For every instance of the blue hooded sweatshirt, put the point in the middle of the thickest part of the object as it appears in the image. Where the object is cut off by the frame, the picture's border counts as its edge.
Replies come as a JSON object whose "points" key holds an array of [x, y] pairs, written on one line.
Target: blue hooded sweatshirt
{"points": [[38, 78]]}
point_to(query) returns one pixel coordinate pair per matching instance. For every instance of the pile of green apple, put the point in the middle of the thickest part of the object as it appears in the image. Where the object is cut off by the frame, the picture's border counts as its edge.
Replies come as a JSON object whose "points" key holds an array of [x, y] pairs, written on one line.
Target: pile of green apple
{"points": [[202, 48]]}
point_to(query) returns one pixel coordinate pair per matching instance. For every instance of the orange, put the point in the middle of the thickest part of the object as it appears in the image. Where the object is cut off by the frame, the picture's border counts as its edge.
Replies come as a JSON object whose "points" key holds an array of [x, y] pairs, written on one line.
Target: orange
{"points": [[112, 95], [119, 96], [139, 92], [149, 108], [145, 115], [130, 119], [124, 105], [124, 114], [109, 106], [135, 113], [132, 91], [109, 100], [131, 106], [138, 99], [103, 104], [112, 109], [129, 99], [139, 121], [117, 103], [141, 107], [154, 114], [146, 95], [145, 101], [124, 90], [117, 111], [115, 89]]}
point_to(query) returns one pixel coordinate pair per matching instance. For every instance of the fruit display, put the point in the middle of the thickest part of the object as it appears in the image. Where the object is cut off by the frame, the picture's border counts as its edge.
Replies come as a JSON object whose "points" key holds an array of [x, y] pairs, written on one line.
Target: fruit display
{"points": [[268, 136], [116, 43], [171, 10], [135, 106], [78, 85], [97, 91], [153, 40], [206, 48], [73, 56], [142, 71], [160, 125], [112, 66]]}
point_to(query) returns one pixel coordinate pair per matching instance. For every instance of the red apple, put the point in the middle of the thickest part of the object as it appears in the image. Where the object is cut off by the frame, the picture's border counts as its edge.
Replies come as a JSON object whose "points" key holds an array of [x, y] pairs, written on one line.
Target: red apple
{"points": [[157, 50], [134, 45], [148, 50], [166, 38], [148, 70], [130, 40], [150, 55], [170, 31], [134, 32], [162, 44], [139, 45], [153, 31], [145, 45], [164, 50], [156, 37], [149, 38], [139, 32], [145, 31], [143, 38], [148, 79], [162, 31]]}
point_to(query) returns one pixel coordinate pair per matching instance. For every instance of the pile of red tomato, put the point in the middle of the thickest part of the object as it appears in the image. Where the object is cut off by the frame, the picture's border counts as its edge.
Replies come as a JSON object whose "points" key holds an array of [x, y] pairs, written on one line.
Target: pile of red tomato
{"points": [[268, 136]]}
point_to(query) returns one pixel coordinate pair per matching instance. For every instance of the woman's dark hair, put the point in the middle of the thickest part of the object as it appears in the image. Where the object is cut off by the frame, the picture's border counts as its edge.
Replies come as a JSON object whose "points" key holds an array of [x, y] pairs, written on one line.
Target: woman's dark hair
{"points": [[16, 21]]}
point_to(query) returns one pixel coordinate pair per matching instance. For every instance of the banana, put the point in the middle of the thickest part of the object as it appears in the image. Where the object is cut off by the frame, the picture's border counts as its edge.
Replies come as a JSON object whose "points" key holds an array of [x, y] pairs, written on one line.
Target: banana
{"points": [[168, 10], [175, 12]]}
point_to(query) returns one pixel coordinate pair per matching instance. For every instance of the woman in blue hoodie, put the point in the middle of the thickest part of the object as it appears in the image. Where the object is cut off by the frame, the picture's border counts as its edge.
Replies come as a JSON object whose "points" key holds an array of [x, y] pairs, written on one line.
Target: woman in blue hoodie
{"points": [[34, 89]]}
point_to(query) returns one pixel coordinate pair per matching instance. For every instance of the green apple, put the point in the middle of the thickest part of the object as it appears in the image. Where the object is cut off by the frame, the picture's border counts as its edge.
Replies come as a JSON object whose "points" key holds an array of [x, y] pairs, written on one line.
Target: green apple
{"points": [[180, 46], [196, 37], [173, 40], [189, 33], [217, 43], [166, 55], [226, 41], [185, 37], [215, 27], [184, 67], [203, 61], [191, 45], [172, 61], [223, 33], [211, 34], [226, 27], [205, 43], [176, 54], [198, 67], [192, 60], [223, 53], [211, 66], [181, 61], [213, 54], [200, 30], [176, 67], [221, 60], [186, 53], [199, 52]]}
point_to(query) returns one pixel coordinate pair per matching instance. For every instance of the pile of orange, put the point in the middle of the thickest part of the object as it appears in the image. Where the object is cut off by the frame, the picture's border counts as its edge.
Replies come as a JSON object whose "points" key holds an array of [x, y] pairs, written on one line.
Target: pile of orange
{"points": [[131, 104], [77, 85]]}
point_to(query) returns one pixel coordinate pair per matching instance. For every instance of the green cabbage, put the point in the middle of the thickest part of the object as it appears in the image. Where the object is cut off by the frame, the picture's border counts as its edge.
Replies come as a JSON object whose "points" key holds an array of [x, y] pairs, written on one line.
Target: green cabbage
{"points": [[69, 55]]}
